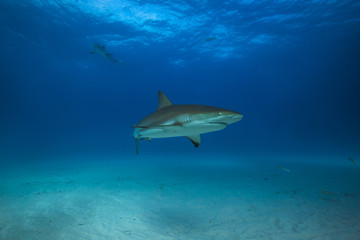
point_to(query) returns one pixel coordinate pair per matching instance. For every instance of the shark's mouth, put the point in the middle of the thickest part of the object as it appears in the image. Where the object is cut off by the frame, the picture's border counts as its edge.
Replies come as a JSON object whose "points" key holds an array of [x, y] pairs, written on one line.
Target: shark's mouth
{"points": [[220, 123]]}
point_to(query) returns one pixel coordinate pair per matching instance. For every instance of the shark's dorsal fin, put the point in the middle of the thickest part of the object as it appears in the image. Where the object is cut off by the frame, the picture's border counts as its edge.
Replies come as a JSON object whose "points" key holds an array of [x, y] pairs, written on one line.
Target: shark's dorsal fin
{"points": [[163, 100], [195, 139]]}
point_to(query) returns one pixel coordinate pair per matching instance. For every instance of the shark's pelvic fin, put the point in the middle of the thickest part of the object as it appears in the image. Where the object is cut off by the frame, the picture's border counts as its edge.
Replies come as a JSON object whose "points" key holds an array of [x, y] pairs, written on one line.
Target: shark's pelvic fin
{"points": [[137, 142], [137, 145], [195, 139], [163, 100]]}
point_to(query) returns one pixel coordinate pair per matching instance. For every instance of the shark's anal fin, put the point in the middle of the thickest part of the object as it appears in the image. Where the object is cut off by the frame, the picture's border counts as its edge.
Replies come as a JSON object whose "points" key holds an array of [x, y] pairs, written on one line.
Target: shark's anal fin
{"points": [[195, 139], [163, 100]]}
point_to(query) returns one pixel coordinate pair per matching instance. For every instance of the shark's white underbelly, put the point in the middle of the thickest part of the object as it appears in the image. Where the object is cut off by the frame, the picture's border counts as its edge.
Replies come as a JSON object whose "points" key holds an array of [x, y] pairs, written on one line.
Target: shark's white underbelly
{"points": [[178, 131]]}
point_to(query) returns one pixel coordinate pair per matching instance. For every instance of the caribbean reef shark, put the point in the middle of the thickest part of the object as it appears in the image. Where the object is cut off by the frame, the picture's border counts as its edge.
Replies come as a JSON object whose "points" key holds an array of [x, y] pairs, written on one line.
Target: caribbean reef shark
{"points": [[98, 49], [183, 120]]}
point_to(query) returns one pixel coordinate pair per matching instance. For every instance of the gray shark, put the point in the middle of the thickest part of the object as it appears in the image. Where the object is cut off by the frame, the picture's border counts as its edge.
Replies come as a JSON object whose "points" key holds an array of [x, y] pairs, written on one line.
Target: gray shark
{"points": [[183, 120], [100, 49]]}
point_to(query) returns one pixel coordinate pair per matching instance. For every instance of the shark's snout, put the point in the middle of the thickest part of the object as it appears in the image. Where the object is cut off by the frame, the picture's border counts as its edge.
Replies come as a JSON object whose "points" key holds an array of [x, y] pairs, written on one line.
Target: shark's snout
{"points": [[229, 117], [238, 116]]}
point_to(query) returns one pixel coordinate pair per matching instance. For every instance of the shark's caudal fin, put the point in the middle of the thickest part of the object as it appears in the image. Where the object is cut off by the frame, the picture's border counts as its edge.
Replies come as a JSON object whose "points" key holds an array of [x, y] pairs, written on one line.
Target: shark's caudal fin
{"points": [[163, 100], [195, 139]]}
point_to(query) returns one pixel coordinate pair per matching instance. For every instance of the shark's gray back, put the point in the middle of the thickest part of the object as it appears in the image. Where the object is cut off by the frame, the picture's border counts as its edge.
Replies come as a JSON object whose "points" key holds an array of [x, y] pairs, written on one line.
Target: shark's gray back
{"points": [[172, 112]]}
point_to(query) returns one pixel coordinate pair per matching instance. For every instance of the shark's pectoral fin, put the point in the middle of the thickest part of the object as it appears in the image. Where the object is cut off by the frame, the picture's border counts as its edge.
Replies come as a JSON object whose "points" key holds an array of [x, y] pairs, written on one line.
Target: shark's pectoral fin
{"points": [[195, 139]]}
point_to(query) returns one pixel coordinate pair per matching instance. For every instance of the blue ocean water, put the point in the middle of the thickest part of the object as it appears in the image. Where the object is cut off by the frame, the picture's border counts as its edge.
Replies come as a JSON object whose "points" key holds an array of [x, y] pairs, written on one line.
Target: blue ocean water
{"points": [[291, 68]]}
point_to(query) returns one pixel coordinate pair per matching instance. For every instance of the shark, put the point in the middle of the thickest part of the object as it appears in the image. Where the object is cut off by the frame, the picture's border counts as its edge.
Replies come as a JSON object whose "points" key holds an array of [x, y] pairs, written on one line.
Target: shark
{"points": [[187, 120], [100, 49]]}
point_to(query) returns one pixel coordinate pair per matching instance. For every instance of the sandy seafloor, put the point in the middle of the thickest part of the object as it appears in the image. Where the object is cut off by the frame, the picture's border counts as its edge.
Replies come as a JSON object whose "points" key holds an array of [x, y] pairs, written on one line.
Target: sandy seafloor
{"points": [[180, 198]]}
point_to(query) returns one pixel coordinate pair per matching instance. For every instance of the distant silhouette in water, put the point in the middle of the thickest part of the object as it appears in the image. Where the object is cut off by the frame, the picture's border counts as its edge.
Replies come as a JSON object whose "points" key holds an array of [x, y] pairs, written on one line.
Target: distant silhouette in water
{"points": [[352, 160], [208, 39], [100, 49], [325, 192], [284, 169]]}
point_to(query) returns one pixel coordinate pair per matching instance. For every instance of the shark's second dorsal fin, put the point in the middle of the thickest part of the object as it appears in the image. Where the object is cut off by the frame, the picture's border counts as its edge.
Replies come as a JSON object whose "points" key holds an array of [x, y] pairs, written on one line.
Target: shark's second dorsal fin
{"points": [[163, 100]]}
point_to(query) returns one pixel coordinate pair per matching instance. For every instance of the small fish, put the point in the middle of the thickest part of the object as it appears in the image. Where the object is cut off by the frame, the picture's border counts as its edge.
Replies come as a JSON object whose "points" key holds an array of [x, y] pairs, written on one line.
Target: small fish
{"points": [[323, 191], [284, 169], [352, 160], [208, 39]]}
